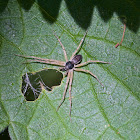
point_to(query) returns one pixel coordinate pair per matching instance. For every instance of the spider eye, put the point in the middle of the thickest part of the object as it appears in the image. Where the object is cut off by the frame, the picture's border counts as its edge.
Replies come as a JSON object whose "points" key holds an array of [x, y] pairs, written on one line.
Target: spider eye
{"points": [[77, 59]]}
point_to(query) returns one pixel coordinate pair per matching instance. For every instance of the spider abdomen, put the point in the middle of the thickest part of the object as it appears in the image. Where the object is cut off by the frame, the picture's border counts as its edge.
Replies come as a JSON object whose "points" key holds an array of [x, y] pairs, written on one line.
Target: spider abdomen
{"points": [[76, 59]]}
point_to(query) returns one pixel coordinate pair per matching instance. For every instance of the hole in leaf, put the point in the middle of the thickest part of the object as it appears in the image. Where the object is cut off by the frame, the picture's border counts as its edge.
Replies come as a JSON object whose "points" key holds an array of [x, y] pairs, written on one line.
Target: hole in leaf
{"points": [[32, 83], [4, 135]]}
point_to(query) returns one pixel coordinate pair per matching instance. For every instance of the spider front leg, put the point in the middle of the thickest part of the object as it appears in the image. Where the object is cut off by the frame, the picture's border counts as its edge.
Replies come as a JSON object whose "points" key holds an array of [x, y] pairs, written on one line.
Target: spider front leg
{"points": [[78, 48], [65, 54], [42, 60], [64, 94], [87, 71]]}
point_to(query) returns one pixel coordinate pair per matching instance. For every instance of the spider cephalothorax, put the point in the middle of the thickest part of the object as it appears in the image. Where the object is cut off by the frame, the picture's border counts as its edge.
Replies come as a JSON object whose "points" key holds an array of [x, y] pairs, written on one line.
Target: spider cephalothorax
{"points": [[69, 66]]}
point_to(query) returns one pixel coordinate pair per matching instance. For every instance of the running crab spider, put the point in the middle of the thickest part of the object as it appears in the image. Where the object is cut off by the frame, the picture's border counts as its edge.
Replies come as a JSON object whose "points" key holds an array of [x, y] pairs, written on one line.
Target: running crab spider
{"points": [[69, 66]]}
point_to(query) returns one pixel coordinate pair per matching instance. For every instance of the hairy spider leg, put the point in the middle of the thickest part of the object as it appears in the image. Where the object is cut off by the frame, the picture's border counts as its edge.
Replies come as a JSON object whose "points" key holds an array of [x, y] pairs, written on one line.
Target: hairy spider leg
{"points": [[65, 54], [91, 61], [42, 60], [70, 87], [64, 94], [87, 71], [55, 62], [78, 48]]}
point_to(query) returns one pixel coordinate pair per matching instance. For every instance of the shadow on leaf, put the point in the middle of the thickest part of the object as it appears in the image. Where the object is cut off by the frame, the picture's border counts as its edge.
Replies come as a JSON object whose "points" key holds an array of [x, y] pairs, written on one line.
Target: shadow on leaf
{"points": [[82, 10], [3, 4], [26, 4], [50, 9]]}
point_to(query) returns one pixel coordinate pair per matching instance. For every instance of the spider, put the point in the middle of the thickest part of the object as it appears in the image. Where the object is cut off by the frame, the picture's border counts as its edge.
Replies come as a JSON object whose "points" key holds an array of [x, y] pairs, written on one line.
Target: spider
{"points": [[69, 66]]}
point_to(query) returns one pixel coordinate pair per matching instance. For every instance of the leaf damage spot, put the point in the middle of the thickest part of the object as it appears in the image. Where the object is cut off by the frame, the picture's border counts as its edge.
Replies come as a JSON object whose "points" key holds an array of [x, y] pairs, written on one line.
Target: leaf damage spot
{"points": [[33, 83]]}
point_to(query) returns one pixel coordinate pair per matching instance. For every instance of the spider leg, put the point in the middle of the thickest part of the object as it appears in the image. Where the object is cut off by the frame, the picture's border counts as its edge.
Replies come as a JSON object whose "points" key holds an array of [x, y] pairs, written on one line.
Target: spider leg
{"points": [[64, 94], [42, 60], [57, 63], [70, 87], [65, 54], [91, 61], [87, 71], [78, 46]]}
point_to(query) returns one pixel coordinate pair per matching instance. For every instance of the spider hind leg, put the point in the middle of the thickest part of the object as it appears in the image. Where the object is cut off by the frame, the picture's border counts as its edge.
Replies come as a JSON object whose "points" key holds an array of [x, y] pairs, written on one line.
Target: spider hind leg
{"points": [[88, 72], [70, 87], [64, 94]]}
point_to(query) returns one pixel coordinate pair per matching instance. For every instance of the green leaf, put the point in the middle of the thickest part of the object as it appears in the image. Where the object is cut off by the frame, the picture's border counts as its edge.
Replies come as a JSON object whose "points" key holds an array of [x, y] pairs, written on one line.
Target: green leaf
{"points": [[112, 112]]}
